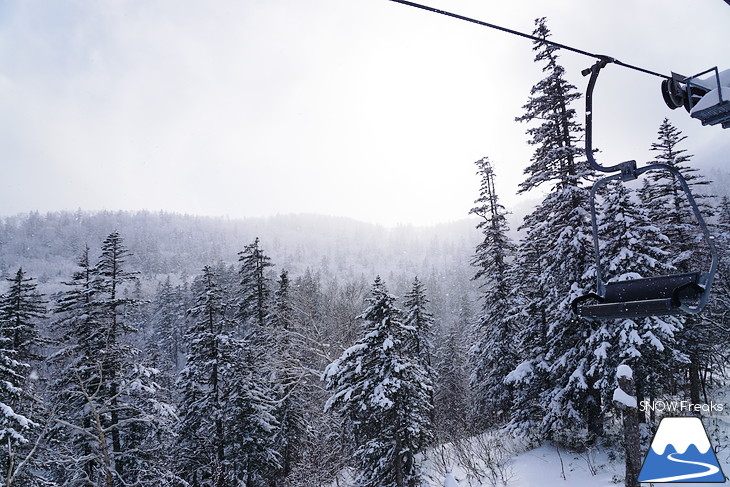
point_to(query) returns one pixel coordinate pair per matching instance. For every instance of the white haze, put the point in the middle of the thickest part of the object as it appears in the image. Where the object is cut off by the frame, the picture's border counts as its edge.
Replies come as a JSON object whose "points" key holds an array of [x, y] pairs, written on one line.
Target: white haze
{"points": [[369, 109]]}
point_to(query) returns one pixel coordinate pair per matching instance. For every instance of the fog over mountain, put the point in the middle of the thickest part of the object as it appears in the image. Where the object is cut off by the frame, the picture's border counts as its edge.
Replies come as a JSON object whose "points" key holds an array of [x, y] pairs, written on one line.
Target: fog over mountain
{"points": [[46, 246]]}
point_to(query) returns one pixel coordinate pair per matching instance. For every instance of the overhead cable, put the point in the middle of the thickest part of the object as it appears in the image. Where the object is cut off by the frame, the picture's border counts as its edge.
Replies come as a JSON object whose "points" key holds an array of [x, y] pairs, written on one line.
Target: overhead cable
{"points": [[531, 37]]}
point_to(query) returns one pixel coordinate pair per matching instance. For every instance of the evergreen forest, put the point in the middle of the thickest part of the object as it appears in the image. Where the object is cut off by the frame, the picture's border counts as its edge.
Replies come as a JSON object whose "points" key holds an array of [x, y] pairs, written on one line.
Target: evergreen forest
{"points": [[154, 349]]}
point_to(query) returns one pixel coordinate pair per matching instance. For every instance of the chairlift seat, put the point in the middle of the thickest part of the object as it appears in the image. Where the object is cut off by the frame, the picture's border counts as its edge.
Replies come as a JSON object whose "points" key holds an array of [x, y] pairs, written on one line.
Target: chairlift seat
{"points": [[636, 298], [715, 114]]}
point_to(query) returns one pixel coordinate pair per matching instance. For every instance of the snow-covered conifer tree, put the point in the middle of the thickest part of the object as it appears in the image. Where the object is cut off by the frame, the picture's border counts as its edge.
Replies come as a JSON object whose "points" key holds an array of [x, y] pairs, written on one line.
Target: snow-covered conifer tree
{"points": [[81, 336], [380, 386], [255, 290], [167, 327], [291, 376], [111, 275], [107, 402], [226, 425], [492, 354], [669, 209], [21, 310], [282, 312], [418, 317], [720, 296], [202, 436], [668, 205], [451, 385], [557, 247], [257, 377]]}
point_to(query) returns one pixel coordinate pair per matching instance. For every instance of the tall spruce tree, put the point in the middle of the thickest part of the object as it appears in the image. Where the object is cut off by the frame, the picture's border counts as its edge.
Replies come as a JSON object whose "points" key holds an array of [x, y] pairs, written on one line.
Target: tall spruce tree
{"points": [[557, 247], [291, 409], [251, 407], [202, 436], [167, 323], [669, 209], [531, 378], [668, 205], [283, 312], [493, 355], [116, 353], [22, 309], [255, 285], [720, 297], [80, 338], [380, 386], [226, 424], [258, 377], [421, 320], [107, 402]]}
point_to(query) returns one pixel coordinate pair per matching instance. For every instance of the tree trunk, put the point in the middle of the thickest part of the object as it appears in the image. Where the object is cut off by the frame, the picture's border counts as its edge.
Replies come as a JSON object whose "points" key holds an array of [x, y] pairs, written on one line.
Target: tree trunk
{"points": [[694, 379], [631, 447], [594, 416], [631, 434], [116, 436], [640, 390]]}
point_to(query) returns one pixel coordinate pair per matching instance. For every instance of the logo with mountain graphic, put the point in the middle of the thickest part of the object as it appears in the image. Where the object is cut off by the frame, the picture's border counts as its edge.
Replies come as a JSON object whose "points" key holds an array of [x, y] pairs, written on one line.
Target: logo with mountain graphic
{"points": [[681, 452]]}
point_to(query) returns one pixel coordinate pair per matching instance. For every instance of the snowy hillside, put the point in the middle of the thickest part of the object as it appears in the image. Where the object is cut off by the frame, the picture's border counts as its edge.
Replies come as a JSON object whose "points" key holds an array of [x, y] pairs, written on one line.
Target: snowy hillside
{"points": [[494, 462], [46, 245], [491, 460], [551, 466]]}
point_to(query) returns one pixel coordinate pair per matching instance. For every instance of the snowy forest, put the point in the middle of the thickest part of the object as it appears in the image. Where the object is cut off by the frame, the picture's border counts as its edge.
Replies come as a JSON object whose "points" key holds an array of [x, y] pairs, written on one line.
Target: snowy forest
{"points": [[154, 349]]}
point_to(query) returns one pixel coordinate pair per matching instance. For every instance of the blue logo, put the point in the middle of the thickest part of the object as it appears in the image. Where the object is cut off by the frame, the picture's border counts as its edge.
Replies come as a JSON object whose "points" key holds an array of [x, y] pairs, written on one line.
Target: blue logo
{"points": [[681, 452]]}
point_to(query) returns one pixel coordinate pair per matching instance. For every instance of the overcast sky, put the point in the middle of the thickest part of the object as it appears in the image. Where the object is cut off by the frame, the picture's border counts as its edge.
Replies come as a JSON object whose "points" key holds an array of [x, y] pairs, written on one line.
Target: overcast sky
{"points": [[360, 108]]}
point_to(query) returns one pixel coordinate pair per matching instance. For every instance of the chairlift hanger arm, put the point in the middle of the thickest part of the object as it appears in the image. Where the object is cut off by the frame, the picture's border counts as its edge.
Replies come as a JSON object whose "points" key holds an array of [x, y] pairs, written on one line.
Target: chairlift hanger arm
{"points": [[628, 168]]}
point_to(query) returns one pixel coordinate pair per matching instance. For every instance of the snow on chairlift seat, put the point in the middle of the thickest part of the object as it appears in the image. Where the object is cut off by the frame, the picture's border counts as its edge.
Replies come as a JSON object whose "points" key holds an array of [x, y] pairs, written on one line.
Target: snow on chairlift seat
{"points": [[636, 298], [713, 107]]}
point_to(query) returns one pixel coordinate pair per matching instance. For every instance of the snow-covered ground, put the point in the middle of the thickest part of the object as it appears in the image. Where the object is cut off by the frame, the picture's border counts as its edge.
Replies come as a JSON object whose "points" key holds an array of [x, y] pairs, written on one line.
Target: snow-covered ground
{"points": [[469, 464], [548, 465], [542, 467], [495, 460], [510, 464]]}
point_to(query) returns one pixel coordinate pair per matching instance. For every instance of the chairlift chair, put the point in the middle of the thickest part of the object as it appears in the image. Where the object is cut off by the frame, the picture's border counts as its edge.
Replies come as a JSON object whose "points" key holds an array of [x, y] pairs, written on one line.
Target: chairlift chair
{"points": [[674, 294]]}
